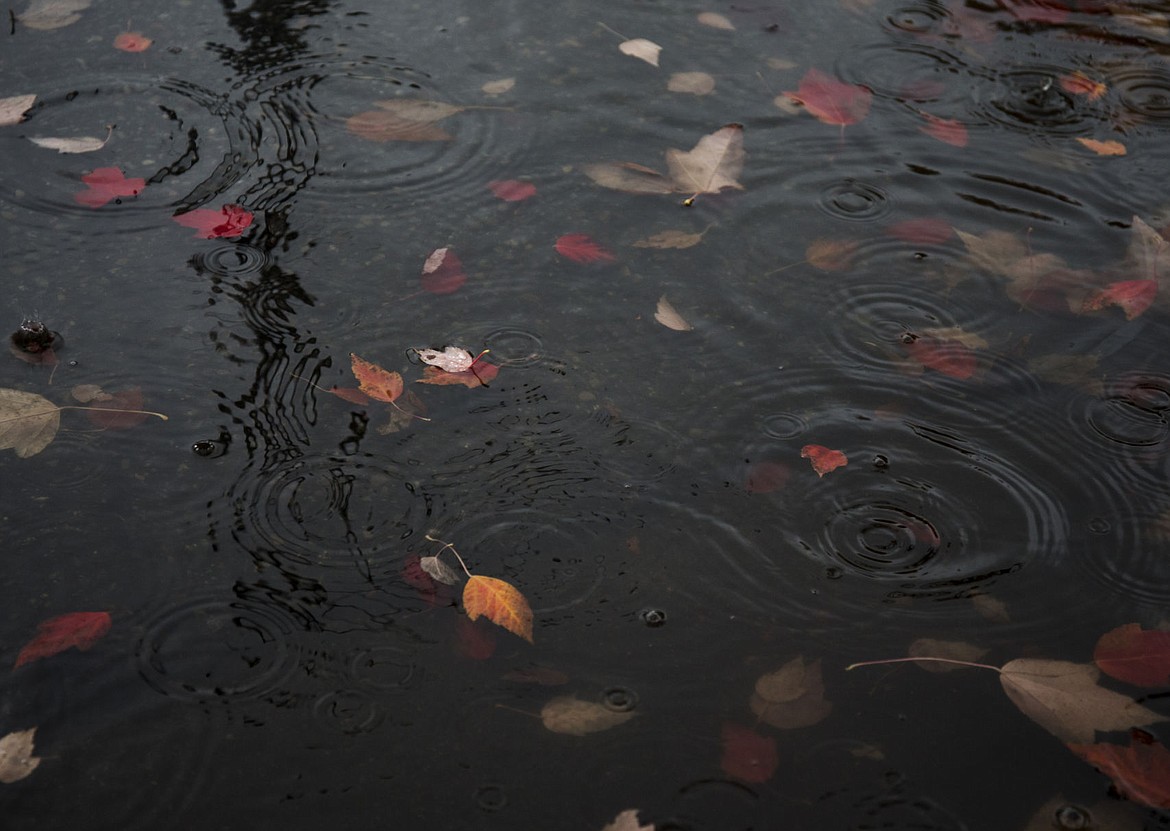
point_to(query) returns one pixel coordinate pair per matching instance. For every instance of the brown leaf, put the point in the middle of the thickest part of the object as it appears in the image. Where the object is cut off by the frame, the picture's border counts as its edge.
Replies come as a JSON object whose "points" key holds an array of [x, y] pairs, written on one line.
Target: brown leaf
{"points": [[85, 393], [792, 696], [646, 50], [669, 317], [16, 756], [500, 602], [831, 254], [479, 375], [670, 239], [567, 714], [694, 83], [991, 608], [403, 119], [1103, 148], [127, 399], [955, 650], [28, 422], [377, 383]]}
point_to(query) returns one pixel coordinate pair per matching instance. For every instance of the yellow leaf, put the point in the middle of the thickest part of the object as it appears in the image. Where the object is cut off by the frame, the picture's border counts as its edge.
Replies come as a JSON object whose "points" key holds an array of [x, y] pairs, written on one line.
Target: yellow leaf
{"points": [[500, 602]]}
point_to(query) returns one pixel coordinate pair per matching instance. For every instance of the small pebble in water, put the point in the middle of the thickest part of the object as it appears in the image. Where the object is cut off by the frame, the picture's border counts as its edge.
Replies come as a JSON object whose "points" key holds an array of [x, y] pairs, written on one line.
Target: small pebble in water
{"points": [[653, 617], [207, 448], [1072, 817]]}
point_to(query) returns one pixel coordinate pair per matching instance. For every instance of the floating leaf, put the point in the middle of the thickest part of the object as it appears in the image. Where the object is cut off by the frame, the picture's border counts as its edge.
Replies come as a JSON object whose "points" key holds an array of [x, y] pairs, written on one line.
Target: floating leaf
{"points": [[52, 14], [627, 821], [377, 383], [581, 248], [498, 87], [227, 222], [1080, 84], [451, 359], [439, 570], [1140, 772], [822, 458], [566, 714], [512, 190], [77, 144], [670, 239], [106, 184], [629, 177], [832, 101], [1132, 296], [1135, 655], [12, 109], [956, 650], [1103, 148], [77, 629], [711, 165], [480, 375], [442, 273], [16, 756], [403, 119], [28, 422], [747, 755], [669, 317], [792, 696], [715, 20], [128, 404], [500, 602], [945, 130], [132, 42], [694, 83], [646, 50]]}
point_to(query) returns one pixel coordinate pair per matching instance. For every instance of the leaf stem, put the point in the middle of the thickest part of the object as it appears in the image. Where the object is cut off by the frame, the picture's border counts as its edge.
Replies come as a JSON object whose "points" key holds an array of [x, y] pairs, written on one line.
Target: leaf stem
{"points": [[79, 407], [450, 545], [939, 660], [612, 30]]}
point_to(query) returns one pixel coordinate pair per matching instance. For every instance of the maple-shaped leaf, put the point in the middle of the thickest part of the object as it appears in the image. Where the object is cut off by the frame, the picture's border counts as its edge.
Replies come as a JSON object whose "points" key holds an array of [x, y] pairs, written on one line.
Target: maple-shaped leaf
{"points": [[945, 130], [132, 42], [442, 272], [581, 248], [374, 381], [512, 190], [403, 119], [106, 184], [500, 602], [946, 355], [710, 166], [16, 756], [830, 100], [480, 375], [1140, 771], [1132, 296], [792, 696], [572, 716], [1135, 655], [226, 222], [28, 422], [76, 629], [747, 755], [822, 458]]}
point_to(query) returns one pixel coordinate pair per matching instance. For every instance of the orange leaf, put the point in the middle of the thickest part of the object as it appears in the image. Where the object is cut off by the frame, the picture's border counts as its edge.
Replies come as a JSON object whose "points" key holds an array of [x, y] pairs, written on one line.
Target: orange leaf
{"points": [[79, 629], [823, 459], [1135, 655], [500, 602], [374, 381], [132, 42], [1133, 296], [1079, 84], [945, 129], [1141, 771], [1103, 148]]}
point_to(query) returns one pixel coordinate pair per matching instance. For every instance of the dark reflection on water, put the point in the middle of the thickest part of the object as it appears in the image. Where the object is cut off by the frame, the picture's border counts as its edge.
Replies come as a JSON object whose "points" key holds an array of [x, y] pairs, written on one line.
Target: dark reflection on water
{"points": [[279, 656]]}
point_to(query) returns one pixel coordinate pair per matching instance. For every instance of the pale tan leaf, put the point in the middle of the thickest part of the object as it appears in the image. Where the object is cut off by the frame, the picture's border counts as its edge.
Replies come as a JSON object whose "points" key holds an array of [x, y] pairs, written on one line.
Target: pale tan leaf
{"points": [[954, 650], [785, 104], [28, 422], [957, 334], [1065, 699], [715, 20], [695, 83], [418, 109], [670, 239], [566, 714], [646, 50], [12, 109], [991, 608], [788, 683], [75, 144], [16, 756], [439, 570], [403, 119], [711, 165], [792, 696], [831, 254], [627, 821], [782, 64], [52, 14], [451, 359], [406, 411], [627, 176], [498, 87], [669, 317], [85, 393]]}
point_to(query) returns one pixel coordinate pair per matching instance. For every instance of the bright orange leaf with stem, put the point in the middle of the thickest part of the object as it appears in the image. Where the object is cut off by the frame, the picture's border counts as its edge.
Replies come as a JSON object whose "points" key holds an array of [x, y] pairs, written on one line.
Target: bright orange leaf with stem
{"points": [[377, 383], [497, 600]]}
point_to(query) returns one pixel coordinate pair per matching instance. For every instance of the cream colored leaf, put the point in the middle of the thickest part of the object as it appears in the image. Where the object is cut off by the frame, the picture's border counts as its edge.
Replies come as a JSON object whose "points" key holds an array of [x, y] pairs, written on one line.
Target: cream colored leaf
{"points": [[566, 714], [75, 144], [451, 359], [498, 87], [16, 756], [669, 317], [715, 20], [781, 63], [670, 239], [954, 650], [695, 83], [627, 821], [439, 570], [956, 333], [85, 393], [1065, 699], [712, 164], [991, 608], [28, 422], [52, 14], [646, 50], [792, 696], [627, 176], [785, 684], [12, 109], [1148, 250]]}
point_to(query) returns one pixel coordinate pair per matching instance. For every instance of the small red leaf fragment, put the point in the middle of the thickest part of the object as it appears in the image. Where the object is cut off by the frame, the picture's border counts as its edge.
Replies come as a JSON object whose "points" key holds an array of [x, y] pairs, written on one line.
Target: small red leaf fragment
{"points": [[822, 458], [132, 42], [1039, 11], [474, 640], [106, 184], [442, 273], [765, 477], [1135, 655], [582, 249], [747, 755], [830, 100], [945, 129], [1133, 296], [512, 190], [1140, 772], [925, 231], [128, 399], [950, 357], [76, 629], [419, 580], [209, 223]]}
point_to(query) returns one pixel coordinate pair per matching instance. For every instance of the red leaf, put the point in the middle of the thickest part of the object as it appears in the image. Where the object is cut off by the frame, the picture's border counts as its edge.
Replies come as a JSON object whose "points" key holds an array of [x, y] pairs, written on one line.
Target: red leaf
{"points": [[106, 184], [950, 357], [747, 755], [1140, 772], [1133, 296], [79, 629], [1041, 11], [925, 231], [480, 375], [128, 399], [132, 42], [228, 221], [512, 190], [945, 129], [419, 580], [582, 249], [475, 640], [765, 477], [823, 459], [442, 272], [832, 101], [1135, 655]]}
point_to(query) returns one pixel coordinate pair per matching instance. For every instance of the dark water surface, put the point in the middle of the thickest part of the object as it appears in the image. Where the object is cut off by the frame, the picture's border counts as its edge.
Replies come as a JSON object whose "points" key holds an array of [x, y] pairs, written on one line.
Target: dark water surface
{"points": [[277, 660]]}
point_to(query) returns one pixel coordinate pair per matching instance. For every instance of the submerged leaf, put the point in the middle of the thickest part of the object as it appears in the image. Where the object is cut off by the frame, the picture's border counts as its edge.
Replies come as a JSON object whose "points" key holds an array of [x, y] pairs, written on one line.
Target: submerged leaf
{"points": [[695, 83], [1140, 772], [451, 359], [669, 317], [830, 100], [712, 164], [581, 248], [1132, 296], [822, 458], [28, 422], [1135, 655], [439, 570], [16, 756], [442, 272], [627, 821], [747, 755], [403, 119], [566, 714], [79, 630], [792, 696], [500, 602], [670, 239], [479, 375]]}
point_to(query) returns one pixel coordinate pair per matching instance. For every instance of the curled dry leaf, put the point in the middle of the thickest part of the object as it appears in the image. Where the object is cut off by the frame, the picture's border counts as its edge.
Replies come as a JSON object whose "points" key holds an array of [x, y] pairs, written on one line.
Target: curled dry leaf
{"points": [[695, 83], [500, 602], [956, 650], [16, 756], [438, 570], [669, 317], [792, 696], [28, 422], [12, 109], [567, 714], [646, 50], [403, 119]]}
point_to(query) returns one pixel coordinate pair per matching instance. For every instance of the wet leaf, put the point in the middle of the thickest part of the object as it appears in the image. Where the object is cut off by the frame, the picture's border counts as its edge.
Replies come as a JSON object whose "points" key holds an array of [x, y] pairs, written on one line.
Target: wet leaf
{"points": [[831, 254], [1147, 250], [475, 639], [694, 83], [581, 248], [12, 109], [765, 477], [16, 756], [1140, 771], [715, 20], [351, 394], [956, 650], [85, 393], [480, 375], [407, 410], [106, 184], [1132, 296], [77, 629], [438, 570], [567, 714], [670, 239], [442, 272], [403, 119], [451, 359], [1135, 655], [52, 14], [627, 821], [822, 458], [926, 231], [1080, 84], [949, 356], [28, 422], [646, 50], [669, 317], [76, 144], [991, 608], [132, 42], [711, 165], [512, 190], [127, 399], [830, 100], [545, 676], [1103, 148], [498, 87], [945, 130], [1039, 11], [792, 696], [227, 222], [377, 383], [500, 602], [747, 755], [629, 177]]}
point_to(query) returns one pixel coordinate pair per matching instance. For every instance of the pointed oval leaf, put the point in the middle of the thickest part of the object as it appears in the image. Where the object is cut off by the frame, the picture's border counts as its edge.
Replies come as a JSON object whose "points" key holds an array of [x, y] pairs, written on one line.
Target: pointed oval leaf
{"points": [[581, 248], [439, 570], [377, 383], [77, 629], [28, 422], [500, 602], [1135, 655], [711, 165]]}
